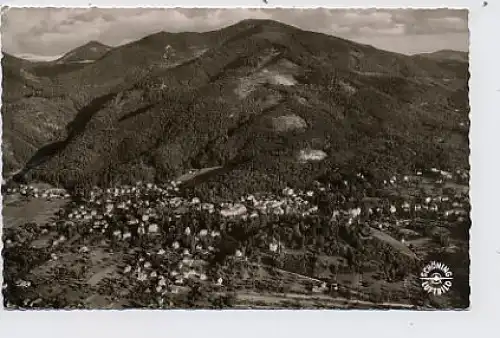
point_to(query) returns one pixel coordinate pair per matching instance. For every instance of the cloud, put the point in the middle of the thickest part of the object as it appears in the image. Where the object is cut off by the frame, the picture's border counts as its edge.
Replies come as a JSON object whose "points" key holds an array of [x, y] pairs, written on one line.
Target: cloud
{"points": [[54, 31], [438, 21], [398, 29], [421, 43]]}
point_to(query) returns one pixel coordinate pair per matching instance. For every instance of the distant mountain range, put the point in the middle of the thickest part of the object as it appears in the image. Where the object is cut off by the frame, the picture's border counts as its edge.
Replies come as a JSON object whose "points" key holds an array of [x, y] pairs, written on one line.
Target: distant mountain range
{"points": [[270, 102], [448, 55]]}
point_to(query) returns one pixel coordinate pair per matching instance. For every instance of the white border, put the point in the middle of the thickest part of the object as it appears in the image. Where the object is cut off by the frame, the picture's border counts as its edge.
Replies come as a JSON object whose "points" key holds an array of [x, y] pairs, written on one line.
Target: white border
{"points": [[485, 233]]}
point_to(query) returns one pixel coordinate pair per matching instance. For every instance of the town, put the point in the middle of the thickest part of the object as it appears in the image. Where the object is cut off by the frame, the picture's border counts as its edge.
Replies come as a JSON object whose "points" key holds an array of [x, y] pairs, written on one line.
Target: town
{"points": [[150, 245]]}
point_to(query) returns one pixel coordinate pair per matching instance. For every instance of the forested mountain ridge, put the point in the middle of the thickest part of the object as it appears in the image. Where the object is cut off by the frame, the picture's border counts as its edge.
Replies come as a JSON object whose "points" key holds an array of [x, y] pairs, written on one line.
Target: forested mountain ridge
{"points": [[226, 98]]}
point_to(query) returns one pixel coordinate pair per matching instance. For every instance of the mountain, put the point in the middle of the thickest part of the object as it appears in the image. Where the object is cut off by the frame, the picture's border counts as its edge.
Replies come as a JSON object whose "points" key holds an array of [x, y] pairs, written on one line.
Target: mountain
{"points": [[268, 103], [67, 85], [447, 54], [89, 52], [127, 63], [73, 60]]}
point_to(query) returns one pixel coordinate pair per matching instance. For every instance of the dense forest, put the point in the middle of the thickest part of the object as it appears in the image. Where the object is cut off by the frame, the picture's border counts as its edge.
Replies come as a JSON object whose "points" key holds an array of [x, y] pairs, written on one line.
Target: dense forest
{"points": [[366, 109]]}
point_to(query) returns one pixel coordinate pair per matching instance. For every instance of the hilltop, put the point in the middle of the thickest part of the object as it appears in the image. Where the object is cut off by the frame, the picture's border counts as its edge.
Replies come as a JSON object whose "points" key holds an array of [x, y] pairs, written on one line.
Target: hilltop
{"points": [[72, 61], [357, 107], [89, 52]]}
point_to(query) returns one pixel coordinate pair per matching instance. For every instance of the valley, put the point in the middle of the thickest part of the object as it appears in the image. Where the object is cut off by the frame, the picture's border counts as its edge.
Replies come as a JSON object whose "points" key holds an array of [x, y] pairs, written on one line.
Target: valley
{"points": [[154, 246], [254, 166]]}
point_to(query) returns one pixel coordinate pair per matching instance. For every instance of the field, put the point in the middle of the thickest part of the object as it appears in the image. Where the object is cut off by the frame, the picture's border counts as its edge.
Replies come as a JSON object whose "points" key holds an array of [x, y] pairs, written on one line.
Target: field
{"points": [[152, 246]]}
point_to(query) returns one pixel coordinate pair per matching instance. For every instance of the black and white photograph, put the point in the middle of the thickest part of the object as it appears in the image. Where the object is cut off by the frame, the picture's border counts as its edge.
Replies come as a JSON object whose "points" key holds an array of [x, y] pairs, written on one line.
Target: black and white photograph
{"points": [[235, 158]]}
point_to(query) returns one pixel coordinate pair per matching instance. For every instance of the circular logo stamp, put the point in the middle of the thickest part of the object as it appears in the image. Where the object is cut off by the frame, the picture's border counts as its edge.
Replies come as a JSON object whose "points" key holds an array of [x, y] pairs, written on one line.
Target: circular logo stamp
{"points": [[436, 278]]}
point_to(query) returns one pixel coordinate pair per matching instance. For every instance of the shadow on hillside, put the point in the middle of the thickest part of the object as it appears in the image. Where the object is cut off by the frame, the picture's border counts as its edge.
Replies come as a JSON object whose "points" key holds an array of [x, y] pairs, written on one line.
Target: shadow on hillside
{"points": [[44, 152], [85, 115], [135, 113], [73, 128]]}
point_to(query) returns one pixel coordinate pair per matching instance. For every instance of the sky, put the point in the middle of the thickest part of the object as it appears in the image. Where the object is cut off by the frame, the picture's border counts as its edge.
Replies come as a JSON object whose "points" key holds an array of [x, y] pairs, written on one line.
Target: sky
{"points": [[48, 33]]}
